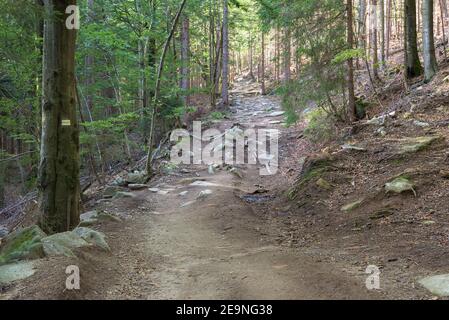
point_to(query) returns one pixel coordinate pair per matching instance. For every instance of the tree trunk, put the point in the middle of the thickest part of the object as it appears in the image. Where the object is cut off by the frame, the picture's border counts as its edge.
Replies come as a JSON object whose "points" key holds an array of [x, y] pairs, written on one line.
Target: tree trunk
{"points": [[262, 66], [287, 55], [351, 94], [373, 39], [225, 80], [382, 30], [430, 61], [185, 61], [412, 63], [157, 88], [59, 159]]}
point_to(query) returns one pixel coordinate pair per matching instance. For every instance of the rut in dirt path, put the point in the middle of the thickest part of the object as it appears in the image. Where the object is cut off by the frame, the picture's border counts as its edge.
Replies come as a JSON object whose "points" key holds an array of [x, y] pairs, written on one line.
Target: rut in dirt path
{"points": [[202, 240]]}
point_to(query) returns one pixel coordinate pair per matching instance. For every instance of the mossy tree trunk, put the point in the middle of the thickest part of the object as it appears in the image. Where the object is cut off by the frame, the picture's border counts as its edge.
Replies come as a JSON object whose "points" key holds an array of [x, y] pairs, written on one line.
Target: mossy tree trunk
{"points": [[412, 63], [59, 159]]}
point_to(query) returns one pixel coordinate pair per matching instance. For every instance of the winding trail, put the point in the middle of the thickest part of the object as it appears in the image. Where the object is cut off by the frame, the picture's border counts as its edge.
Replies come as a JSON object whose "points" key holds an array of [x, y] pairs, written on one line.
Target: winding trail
{"points": [[217, 247]]}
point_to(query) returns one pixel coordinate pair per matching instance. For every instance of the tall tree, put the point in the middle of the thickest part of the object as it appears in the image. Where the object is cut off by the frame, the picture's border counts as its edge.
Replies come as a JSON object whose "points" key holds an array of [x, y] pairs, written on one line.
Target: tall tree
{"points": [[373, 38], [59, 158], [185, 57], [412, 63], [430, 61], [225, 72], [262, 66], [351, 94]]}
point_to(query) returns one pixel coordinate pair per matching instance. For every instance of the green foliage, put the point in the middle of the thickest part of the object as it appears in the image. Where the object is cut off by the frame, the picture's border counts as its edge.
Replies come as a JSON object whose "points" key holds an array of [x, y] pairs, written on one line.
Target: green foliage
{"points": [[347, 54], [320, 126]]}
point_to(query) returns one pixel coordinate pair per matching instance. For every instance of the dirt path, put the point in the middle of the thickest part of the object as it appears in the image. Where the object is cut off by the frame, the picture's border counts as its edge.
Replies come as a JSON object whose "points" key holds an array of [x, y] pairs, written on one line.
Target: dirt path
{"points": [[219, 247]]}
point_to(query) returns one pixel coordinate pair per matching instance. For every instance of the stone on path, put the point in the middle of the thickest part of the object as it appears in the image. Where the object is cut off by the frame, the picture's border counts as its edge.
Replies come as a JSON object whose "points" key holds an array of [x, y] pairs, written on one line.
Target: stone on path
{"points": [[62, 244], [352, 206], [122, 195], [93, 237], [400, 185], [276, 114], [16, 271], [437, 285]]}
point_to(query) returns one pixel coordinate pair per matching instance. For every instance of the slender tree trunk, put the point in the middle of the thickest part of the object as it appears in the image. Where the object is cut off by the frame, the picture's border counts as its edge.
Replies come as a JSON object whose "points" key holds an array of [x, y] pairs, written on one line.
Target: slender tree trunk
{"points": [[59, 160], [225, 80], [351, 94], [154, 110], [382, 30], [373, 39], [430, 61], [412, 63], [262, 66], [185, 60], [361, 25], [388, 35], [287, 55]]}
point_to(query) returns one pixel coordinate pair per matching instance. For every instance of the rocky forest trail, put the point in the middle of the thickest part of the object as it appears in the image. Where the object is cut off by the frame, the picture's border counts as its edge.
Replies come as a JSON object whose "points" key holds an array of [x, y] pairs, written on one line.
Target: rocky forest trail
{"points": [[198, 235], [205, 241]]}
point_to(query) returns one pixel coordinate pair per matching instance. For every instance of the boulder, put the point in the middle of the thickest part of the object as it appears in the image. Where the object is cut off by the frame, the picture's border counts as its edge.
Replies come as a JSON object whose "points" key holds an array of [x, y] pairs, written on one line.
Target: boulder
{"points": [[437, 285], [412, 145], [22, 244], [399, 185], [119, 182], [63, 244], [137, 177], [16, 271], [111, 191], [204, 194], [93, 237]]}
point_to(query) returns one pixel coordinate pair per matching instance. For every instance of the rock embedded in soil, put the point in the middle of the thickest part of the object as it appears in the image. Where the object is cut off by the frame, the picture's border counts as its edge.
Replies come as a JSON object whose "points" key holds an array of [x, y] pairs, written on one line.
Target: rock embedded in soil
{"points": [[16, 271], [136, 177], [123, 195], [352, 206], [412, 145], [22, 244], [62, 244], [437, 285], [400, 185], [93, 237], [110, 191]]}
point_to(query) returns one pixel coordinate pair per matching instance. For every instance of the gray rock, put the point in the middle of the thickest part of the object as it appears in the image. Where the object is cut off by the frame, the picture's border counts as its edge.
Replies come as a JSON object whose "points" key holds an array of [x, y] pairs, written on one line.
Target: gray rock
{"points": [[93, 237], [62, 244], [111, 191], [400, 185], [352, 206], [276, 114], [122, 195], [204, 194], [16, 271], [120, 182], [89, 215], [437, 285], [411, 145], [22, 244], [154, 190], [136, 177]]}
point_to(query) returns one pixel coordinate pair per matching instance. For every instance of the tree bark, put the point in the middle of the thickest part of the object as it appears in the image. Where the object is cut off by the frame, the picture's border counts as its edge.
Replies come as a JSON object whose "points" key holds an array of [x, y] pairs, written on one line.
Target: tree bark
{"points": [[373, 39], [262, 66], [185, 60], [351, 94], [225, 71], [59, 159], [412, 63], [430, 61]]}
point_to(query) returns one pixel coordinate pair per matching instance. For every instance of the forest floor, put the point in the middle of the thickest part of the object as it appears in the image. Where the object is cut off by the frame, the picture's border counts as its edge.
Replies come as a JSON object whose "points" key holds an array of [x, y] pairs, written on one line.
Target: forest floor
{"points": [[252, 237]]}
